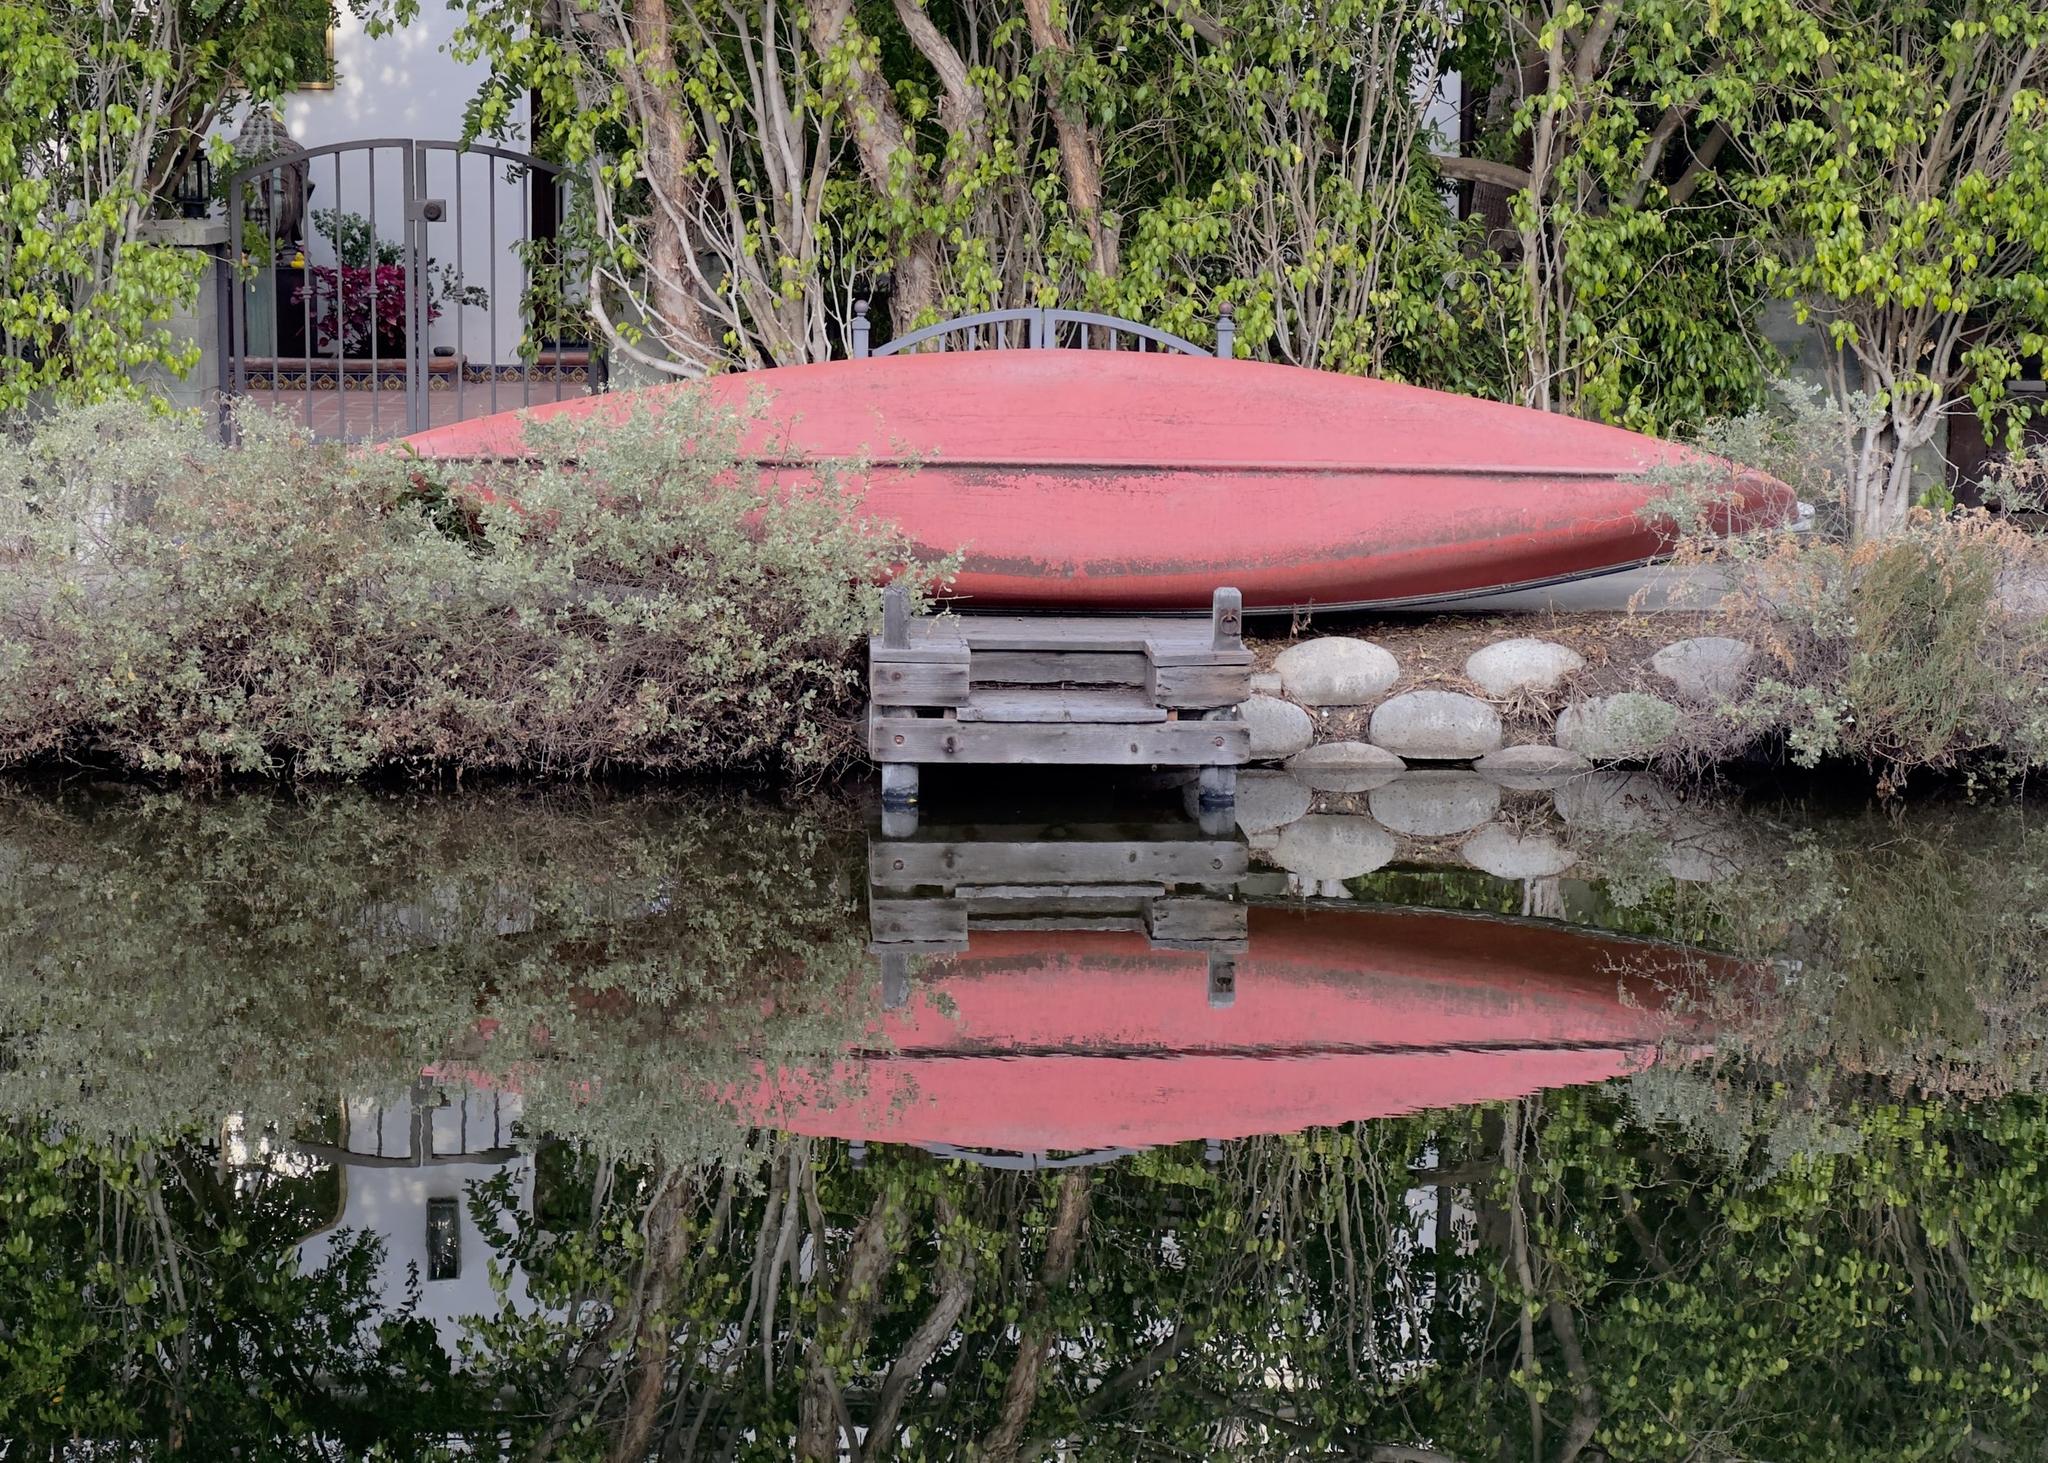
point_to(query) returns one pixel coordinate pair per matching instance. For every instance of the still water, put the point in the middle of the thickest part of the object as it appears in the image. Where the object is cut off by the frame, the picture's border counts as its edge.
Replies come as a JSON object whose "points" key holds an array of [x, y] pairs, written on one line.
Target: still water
{"points": [[1431, 1124]]}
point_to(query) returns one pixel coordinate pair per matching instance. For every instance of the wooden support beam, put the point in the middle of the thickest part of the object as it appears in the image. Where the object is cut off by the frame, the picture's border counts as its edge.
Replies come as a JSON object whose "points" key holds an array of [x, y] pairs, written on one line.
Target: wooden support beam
{"points": [[929, 741]]}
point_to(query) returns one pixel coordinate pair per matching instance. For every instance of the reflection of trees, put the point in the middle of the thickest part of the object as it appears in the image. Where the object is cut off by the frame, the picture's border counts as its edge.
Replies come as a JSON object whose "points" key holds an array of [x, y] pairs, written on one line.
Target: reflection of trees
{"points": [[164, 960], [1779, 1254], [1612, 1291], [1599, 1289], [152, 1293]]}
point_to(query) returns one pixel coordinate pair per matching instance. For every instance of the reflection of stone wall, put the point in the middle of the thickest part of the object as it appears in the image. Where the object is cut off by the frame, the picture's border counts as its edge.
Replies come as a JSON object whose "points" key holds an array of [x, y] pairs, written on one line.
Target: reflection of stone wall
{"points": [[1494, 768], [1525, 826]]}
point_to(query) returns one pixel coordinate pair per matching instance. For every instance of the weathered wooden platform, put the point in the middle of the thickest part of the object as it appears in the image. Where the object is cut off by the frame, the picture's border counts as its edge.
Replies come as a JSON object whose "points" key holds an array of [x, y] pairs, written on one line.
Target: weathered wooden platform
{"points": [[1084, 690], [1173, 883]]}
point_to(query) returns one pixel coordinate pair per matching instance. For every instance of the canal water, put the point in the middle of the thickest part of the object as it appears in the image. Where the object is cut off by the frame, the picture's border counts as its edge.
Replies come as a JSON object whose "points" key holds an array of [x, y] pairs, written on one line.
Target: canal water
{"points": [[1608, 1124]]}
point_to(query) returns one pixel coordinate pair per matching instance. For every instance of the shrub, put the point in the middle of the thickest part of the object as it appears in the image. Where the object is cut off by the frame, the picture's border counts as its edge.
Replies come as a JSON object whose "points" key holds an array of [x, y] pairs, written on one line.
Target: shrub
{"points": [[627, 599], [1925, 649], [1920, 651]]}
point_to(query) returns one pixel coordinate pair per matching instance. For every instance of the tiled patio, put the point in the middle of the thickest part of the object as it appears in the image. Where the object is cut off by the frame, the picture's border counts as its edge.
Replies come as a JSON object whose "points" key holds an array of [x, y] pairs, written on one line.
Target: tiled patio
{"points": [[362, 412]]}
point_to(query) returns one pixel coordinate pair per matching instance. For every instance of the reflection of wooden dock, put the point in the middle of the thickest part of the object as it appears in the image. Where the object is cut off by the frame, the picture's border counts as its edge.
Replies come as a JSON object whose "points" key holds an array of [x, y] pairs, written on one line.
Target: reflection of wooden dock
{"points": [[1083, 690], [930, 889]]}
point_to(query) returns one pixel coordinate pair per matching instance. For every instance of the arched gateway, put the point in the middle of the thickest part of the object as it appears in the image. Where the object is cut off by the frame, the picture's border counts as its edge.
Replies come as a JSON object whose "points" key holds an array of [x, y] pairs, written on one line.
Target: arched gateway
{"points": [[390, 285]]}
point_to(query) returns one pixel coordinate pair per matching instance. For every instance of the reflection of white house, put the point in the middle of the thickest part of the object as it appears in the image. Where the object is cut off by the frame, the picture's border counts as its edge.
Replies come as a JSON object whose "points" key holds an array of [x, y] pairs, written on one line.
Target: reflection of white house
{"points": [[406, 1166]]}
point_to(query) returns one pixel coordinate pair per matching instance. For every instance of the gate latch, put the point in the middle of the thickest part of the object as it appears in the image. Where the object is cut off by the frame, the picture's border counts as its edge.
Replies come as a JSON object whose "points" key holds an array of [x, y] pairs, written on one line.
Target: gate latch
{"points": [[430, 210]]}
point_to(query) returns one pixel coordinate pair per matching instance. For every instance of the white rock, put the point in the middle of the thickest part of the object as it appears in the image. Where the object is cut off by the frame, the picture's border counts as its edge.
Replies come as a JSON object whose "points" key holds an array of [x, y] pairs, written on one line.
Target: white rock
{"points": [[1279, 728], [1333, 846], [2023, 593], [1625, 727], [1436, 726], [1345, 766], [1531, 767], [1269, 800], [1336, 670], [1616, 802], [1705, 668], [1522, 664], [1500, 851], [1435, 804]]}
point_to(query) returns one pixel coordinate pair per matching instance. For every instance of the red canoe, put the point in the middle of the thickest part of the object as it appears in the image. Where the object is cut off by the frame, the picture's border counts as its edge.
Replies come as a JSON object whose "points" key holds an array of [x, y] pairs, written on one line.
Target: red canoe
{"points": [[1071, 1041], [1117, 480]]}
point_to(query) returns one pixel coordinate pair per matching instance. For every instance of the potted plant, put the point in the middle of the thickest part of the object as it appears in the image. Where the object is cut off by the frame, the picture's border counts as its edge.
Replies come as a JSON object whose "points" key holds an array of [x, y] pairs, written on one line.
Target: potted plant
{"points": [[359, 301]]}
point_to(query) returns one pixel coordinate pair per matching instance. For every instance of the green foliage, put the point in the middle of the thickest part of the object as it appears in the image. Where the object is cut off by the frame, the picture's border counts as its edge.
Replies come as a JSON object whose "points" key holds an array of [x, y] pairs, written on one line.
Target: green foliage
{"points": [[166, 958], [1848, 1207], [349, 234], [1902, 187], [150, 1294], [287, 608], [101, 107]]}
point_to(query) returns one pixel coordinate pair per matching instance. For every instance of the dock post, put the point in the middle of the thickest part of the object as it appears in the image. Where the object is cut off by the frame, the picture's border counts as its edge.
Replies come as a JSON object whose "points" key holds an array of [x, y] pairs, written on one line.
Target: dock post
{"points": [[1226, 332], [899, 785], [1222, 981], [1226, 620], [899, 779], [857, 333], [896, 618], [895, 981]]}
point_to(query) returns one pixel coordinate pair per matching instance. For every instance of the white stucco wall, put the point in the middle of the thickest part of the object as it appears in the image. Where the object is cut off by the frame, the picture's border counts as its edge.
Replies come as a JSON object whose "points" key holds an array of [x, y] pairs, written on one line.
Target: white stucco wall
{"points": [[407, 87]]}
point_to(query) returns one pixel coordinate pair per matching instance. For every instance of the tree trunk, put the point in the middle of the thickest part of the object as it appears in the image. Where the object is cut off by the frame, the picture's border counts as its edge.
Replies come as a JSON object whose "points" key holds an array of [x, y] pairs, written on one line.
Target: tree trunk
{"points": [[1035, 1337], [879, 137], [1080, 148], [666, 153], [661, 1263], [822, 1400]]}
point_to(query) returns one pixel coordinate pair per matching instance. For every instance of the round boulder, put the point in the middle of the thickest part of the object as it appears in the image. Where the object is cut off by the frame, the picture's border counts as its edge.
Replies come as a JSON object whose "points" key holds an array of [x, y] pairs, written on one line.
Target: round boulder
{"points": [[1500, 851], [1345, 766], [1522, 664], [1436, 726], [1625, 727], [1333, 846], [1531, 767], [1706, 668], [1279, 728], [1336, 670], [1269, 800], [1435, 804]]}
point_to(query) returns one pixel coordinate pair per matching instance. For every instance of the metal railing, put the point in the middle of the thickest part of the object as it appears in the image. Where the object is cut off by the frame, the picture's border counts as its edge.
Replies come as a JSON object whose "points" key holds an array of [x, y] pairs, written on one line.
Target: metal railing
{"points": [[1039, 329]]}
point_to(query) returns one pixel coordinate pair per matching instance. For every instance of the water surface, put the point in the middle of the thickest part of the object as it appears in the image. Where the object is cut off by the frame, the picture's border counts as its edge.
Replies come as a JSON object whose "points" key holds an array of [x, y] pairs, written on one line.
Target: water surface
{"points": [[677, 1125]]}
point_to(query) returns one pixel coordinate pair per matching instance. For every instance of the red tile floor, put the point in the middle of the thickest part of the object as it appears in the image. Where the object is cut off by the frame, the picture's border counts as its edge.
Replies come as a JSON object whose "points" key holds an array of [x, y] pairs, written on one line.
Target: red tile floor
{"points": [[363, 414]]}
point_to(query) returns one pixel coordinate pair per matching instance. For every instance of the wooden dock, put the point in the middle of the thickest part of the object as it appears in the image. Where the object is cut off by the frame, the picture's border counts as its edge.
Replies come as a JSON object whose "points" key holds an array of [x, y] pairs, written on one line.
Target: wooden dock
{"points": [[1080, 690], [929, 889]]}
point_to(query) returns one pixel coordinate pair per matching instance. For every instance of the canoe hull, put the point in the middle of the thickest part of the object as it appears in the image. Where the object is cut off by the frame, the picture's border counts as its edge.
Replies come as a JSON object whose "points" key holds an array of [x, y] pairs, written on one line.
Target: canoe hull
{"points": [[1067, 1041], [1097, 480]]}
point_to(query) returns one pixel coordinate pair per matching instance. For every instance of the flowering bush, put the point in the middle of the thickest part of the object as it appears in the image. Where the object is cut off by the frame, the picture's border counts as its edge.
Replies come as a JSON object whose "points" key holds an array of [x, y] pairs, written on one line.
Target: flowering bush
{"points": [[354, 306]]}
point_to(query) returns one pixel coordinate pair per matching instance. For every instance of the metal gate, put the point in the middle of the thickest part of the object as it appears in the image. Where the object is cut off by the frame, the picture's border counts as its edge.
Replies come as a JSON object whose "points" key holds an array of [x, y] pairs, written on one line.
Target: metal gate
{"points": [[390, 285]]}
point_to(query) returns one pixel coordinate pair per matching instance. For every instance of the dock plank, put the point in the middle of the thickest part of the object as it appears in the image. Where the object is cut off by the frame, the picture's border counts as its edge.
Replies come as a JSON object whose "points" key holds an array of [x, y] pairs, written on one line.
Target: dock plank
{"points": [[1096, 706]]}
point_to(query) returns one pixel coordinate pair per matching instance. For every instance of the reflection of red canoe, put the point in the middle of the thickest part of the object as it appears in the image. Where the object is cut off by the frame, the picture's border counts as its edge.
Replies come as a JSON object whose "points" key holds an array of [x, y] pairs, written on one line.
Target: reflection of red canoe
{"points": [[1066, 1041], [1119, 480]]}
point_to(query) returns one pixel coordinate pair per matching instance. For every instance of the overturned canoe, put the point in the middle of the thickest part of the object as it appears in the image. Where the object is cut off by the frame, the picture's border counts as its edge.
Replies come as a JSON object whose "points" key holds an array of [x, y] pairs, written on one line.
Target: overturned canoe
{"points": [[1116, 480], [1032, 1041]]}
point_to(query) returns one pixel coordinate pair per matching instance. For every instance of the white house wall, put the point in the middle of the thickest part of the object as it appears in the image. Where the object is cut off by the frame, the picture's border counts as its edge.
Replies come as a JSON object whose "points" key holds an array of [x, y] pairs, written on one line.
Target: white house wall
{"points": [[407, 86]]}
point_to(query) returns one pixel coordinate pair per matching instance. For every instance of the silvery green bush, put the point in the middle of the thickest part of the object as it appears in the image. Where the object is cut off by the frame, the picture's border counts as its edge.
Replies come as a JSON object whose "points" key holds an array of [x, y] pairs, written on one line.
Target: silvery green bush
{"points": [[629, 599]]}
